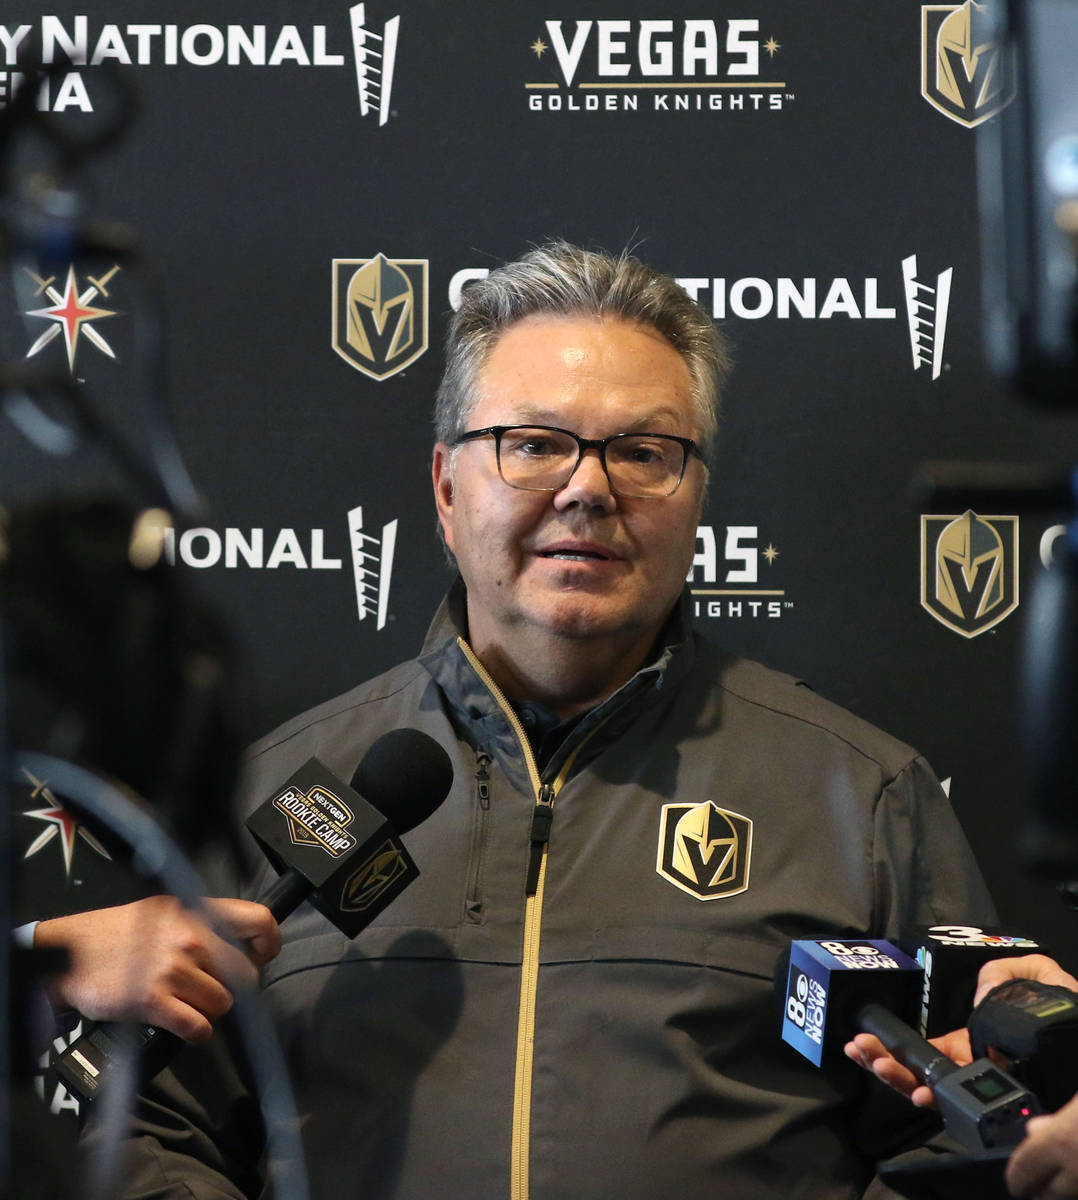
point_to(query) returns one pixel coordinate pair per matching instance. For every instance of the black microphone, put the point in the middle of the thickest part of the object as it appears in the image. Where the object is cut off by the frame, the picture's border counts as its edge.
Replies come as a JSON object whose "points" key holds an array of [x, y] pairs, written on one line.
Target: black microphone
{"points": [[951, 957], [830, 978], [339, 846], [839, 987], [334, 844], [982, 1106]]}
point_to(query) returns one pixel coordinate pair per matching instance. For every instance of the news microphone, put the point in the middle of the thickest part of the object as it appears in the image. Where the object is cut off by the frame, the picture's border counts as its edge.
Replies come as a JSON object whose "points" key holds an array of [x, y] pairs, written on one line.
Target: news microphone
{"points": [[340, 851], [951, 957], [837, 988], [829, 979], [334, 844]]}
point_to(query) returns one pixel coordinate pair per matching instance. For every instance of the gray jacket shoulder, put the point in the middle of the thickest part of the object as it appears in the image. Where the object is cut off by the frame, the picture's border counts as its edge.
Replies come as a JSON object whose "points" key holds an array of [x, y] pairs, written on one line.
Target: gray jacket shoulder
{"points": [[393, 683], [784, 696]]}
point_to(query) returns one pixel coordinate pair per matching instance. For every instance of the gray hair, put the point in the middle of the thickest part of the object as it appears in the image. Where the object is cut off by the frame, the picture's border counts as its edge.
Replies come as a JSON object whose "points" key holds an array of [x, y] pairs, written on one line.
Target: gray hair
{"points": [[564, 280]]}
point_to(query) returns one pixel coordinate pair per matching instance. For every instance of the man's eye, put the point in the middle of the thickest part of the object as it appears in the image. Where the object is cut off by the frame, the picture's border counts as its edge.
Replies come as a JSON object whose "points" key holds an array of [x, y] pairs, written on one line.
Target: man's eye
{"points": [[646, 454], [532, 447]]}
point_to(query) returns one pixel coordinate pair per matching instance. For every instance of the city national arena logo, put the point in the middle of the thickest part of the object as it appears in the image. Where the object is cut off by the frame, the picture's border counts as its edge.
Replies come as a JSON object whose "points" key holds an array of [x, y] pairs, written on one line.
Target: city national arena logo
{"points": [[380, 313], [371, 40], [969, 570], [372, 550], [926, 295], [71, 312], [704, 850], [928, 301], [657, 65], [752, 298], [965, 73], [375, 50]]}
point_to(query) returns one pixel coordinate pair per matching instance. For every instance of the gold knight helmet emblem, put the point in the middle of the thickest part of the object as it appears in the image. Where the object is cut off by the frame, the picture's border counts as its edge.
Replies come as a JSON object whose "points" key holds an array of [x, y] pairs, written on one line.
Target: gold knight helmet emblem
{"points": [[380, 313], [372, 877], [383, 290], [972, 545], [965, 74], [969, 576], [704, 850]]}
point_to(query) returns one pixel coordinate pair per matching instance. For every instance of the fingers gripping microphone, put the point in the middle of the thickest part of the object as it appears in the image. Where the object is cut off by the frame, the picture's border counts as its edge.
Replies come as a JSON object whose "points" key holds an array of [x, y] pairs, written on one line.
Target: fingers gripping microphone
{"points": [[334, 844], [836, 989]]}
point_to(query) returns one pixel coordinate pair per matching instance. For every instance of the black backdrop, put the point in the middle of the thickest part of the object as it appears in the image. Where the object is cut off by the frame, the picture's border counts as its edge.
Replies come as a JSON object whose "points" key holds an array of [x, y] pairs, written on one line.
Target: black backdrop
{"points": [[788, 166]]}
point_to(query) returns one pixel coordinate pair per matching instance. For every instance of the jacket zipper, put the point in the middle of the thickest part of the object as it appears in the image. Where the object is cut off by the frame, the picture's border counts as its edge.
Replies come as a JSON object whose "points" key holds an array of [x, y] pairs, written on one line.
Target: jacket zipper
{"points": [[473, 898], [542, 818]]}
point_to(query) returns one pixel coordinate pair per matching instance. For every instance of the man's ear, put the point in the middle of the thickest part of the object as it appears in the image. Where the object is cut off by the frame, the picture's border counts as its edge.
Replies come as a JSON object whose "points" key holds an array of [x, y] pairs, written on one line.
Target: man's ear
{"points": [[442, 478]]}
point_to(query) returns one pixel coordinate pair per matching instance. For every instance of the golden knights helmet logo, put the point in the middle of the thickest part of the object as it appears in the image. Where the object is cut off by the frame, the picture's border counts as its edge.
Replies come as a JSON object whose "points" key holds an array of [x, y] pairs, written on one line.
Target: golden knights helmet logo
{"points": [[965, 74], [380, 313], [704, 849], [380, 871], [969, 570]]}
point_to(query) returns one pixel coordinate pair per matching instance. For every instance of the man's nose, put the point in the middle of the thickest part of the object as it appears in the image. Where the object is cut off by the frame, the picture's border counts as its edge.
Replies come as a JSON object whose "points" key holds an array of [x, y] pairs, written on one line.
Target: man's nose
{"points": [[588, 486]]}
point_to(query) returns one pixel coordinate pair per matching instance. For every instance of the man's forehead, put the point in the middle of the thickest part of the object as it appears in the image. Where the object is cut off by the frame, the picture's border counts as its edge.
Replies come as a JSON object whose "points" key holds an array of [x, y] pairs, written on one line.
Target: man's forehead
{"points": [[541, 362], [646, 418], [540, 329]]}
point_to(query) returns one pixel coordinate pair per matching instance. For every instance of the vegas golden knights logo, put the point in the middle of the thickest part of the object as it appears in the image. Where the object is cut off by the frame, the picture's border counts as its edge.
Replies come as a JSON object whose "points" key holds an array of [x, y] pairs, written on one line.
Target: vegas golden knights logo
{"points": [[369, 880], [969, 570], [704, 849], [380, 313], [964, 73]]}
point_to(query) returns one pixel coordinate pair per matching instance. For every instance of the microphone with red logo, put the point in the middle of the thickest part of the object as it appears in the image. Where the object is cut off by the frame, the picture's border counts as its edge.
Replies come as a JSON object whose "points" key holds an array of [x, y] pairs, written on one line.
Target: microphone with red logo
{"points": [[333, 844]]}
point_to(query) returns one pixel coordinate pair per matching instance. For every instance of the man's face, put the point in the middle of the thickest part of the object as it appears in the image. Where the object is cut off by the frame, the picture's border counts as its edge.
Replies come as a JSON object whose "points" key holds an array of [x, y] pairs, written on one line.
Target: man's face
{"points": [[580, 562]]}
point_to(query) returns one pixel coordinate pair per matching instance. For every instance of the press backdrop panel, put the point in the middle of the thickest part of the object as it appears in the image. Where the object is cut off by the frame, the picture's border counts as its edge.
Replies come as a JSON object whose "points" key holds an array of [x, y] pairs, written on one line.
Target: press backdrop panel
{"points": [[780, 158]]}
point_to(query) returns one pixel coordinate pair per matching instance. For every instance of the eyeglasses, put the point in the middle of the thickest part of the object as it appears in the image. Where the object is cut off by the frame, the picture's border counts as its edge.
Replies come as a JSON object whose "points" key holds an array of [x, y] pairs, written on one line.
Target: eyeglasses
{"points": [[543, 458]]}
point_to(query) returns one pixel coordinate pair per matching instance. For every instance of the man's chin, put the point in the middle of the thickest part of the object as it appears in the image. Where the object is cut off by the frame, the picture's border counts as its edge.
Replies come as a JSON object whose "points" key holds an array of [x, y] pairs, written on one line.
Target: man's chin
{"points": [[582, 616]]}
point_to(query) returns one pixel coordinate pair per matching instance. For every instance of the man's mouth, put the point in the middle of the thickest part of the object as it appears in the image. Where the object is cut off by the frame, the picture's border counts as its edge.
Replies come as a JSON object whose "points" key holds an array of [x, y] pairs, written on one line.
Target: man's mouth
{"points": [[575, 554]]}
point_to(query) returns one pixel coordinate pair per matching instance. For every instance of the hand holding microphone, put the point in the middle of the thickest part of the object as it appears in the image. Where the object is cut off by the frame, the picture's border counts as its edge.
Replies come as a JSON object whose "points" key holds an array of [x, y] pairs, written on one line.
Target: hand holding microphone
{"points": [[333, 844], [155, 960], [869, 1052], [837, 987]]}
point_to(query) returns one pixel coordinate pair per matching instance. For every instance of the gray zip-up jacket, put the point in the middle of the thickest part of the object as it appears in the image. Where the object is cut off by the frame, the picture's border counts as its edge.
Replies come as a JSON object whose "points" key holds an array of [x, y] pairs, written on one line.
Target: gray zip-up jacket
{"points": [[590, 1012]]}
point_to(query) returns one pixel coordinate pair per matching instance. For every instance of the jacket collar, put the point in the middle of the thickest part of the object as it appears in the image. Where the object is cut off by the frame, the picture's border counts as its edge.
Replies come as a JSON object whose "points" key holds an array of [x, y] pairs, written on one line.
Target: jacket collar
{"points": [[478, 714]]}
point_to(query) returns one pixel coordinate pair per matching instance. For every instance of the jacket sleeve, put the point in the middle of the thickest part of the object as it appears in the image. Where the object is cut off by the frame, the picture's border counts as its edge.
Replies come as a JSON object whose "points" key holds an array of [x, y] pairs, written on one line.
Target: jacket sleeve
{"points": [[924, 872], [196, 1132]]}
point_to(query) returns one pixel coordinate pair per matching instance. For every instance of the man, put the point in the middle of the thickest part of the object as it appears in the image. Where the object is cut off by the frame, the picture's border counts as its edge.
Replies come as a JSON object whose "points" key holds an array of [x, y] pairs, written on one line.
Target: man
{"points": [[576, 997]]}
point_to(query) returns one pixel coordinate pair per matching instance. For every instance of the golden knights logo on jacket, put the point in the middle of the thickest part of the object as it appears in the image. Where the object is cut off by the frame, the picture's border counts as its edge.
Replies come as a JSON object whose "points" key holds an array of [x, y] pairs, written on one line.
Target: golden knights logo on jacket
{"points": [[380, 313], [969, 570], [704, 849]]}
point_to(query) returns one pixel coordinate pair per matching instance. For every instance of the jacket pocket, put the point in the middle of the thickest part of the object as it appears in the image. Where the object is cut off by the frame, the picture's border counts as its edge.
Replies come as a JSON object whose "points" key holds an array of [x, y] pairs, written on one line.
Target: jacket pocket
{"points": [[473, 899]]}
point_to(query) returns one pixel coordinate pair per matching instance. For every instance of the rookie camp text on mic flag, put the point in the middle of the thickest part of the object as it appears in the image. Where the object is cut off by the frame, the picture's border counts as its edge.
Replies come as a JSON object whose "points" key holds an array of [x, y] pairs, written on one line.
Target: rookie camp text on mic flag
{"points": [[334, 847]]}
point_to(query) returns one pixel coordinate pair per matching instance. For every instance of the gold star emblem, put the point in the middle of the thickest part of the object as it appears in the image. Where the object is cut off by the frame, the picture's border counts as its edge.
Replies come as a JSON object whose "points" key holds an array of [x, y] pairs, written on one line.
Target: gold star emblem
{"points": [[538, 47], [771, 46], [771, 554]]}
